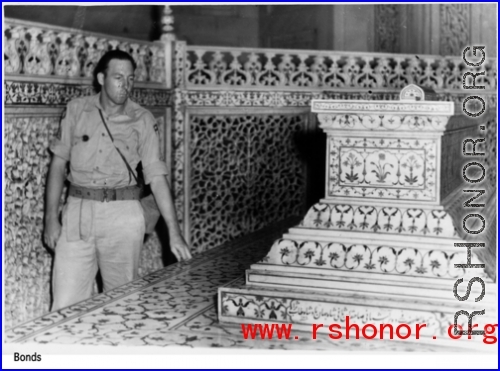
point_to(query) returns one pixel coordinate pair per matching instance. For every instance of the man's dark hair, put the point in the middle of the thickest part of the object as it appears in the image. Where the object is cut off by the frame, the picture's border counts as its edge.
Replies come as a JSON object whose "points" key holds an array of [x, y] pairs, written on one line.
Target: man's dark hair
{"points": [[103, 64]]}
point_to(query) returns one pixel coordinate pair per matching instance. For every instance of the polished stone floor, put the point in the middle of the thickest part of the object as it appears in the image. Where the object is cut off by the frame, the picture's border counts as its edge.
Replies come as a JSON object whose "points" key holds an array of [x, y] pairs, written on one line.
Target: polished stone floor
{"points": [[176, 306]]}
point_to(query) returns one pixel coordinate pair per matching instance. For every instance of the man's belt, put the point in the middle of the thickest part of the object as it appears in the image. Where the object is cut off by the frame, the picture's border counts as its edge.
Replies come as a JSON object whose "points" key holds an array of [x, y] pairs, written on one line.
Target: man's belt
{"points": [[106, 194]]}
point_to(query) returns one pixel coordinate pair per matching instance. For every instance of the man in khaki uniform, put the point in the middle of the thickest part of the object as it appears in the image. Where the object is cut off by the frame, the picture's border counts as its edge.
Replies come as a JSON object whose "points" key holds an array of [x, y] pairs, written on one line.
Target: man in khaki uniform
{"points": [[103, 223]]}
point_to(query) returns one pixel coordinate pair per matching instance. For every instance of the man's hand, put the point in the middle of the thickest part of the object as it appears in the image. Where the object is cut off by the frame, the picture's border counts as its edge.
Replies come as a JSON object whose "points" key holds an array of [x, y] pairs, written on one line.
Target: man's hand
{"points": [[52, 232], [179, 248]]}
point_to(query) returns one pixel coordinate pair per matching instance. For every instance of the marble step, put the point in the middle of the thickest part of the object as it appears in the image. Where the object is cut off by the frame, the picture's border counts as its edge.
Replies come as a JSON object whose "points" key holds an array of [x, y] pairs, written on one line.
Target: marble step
{"points": [[418, 241], [242, 304], [380, 219], [368, 283], [356, 252]]}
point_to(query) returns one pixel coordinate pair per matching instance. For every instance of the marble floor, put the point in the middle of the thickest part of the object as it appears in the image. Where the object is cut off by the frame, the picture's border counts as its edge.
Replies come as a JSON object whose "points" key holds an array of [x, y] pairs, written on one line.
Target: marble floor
{"points": [[175, 306]]}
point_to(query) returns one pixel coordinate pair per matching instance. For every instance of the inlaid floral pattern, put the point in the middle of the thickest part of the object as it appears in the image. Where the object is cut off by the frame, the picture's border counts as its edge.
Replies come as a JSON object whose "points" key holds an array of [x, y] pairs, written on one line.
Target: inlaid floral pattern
{"points": [[142, 312], [270, 97], [437, 263], [275, 306], [47, 94], [386, 122], [163, 309], [369, 167]]}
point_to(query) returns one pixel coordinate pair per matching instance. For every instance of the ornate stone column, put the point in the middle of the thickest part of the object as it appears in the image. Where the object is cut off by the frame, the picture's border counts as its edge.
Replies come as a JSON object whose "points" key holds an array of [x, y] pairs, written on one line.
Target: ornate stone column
{"points": [[168, 39], [381, 247]]}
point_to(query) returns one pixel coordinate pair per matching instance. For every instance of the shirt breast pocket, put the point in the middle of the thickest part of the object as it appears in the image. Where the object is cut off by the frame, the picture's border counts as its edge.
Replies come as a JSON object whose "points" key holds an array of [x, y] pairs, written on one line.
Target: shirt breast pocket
{"points": [[114, 163]]}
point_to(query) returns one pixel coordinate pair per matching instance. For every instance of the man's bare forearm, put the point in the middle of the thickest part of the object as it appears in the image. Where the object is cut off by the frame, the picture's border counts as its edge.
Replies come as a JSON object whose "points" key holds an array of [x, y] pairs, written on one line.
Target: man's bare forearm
{"points": [[163, 197], [55, 182]]}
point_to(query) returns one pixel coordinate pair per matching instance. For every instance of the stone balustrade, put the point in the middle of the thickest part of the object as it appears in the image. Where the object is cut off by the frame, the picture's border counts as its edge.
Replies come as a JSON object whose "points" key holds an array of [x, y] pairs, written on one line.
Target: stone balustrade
{"points": [[35, 49], [271, 69], [43, 50]]}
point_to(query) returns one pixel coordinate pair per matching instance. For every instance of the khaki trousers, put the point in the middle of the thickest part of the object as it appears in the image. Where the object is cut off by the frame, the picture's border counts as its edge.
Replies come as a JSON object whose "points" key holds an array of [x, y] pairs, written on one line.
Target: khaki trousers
{"points": [[96, 235]]}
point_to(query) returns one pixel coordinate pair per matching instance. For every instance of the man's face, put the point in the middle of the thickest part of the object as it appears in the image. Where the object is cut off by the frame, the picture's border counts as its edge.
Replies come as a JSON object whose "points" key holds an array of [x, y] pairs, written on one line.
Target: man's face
{"points": [[118, 81]]}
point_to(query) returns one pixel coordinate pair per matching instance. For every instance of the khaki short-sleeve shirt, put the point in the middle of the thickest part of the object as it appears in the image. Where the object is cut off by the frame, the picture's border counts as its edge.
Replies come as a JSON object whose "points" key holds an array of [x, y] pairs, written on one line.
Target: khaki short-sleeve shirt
{"points": [[94, 161]]}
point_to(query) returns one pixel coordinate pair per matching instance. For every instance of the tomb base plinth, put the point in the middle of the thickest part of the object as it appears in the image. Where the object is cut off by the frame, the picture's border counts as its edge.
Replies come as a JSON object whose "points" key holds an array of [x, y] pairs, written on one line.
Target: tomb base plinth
{"points": [[387, 245]]}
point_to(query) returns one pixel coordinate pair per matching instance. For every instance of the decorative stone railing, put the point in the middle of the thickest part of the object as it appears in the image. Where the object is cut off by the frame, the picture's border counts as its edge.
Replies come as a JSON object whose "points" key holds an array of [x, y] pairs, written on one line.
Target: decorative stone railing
{"points": [[35, 49], [272, 69]]}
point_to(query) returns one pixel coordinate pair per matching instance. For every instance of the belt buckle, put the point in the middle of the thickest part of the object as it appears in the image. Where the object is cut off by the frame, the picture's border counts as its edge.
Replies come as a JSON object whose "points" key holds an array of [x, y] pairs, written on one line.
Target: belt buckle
{"points": [[109, 194]]}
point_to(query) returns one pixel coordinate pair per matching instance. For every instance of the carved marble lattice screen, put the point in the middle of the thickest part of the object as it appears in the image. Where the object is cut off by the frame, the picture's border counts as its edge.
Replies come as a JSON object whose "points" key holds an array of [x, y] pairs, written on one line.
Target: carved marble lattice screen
{"points": [[246, 172], [27, 263]]}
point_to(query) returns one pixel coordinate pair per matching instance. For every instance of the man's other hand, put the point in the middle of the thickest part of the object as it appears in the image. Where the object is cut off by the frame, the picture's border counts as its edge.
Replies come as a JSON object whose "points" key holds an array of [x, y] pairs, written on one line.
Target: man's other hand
{"points": [[51, 232], [179, 248]]}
